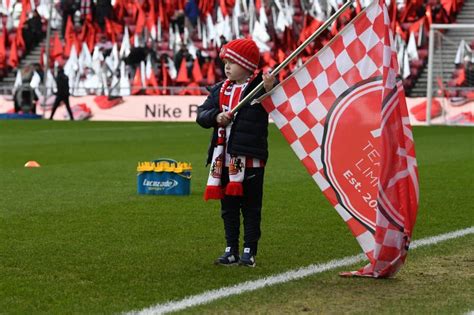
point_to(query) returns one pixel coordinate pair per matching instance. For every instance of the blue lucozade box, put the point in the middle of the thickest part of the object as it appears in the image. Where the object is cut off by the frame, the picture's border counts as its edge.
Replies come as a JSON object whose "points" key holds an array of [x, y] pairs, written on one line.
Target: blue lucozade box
{"points": [[164, 177]]}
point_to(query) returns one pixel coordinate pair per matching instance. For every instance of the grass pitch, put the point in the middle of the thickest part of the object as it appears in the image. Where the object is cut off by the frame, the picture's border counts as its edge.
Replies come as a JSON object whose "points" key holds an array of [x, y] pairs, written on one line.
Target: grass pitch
{"points": [[76, 238]]}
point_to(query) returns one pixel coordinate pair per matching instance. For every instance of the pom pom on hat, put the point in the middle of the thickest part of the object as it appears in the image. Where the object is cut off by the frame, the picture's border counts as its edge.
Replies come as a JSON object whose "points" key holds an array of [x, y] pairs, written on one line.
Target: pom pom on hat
{"points": [[243, 52]]}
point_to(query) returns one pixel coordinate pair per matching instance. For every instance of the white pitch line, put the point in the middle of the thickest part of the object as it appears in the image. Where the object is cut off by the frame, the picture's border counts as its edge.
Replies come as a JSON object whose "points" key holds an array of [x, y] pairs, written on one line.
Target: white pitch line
{"points": [[248, 286]]}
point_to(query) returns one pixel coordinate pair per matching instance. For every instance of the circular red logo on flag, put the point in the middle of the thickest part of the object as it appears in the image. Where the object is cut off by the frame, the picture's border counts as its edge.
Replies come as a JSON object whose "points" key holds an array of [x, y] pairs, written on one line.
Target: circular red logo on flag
{"points": [[351, 149]]}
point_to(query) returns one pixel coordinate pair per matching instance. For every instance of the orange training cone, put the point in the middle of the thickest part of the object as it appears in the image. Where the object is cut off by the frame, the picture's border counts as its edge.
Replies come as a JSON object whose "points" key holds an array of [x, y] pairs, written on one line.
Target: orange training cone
{"points": [[32, 164]]}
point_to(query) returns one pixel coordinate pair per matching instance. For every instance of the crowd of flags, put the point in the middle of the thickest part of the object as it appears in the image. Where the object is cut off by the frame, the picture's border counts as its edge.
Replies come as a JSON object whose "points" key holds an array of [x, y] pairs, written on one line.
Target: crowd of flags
{"points": [[277, 27]]}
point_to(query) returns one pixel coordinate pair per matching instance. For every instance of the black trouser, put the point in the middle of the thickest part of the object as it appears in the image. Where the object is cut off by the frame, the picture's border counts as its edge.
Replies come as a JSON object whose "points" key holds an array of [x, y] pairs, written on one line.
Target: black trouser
{"points": [[251, 206], [58, 101]]}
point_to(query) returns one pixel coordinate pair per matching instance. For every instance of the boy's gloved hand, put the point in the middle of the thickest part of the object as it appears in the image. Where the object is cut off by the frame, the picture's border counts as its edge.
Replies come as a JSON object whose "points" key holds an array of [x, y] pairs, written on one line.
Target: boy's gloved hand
{"points": [[268, 81], [223, 119]]}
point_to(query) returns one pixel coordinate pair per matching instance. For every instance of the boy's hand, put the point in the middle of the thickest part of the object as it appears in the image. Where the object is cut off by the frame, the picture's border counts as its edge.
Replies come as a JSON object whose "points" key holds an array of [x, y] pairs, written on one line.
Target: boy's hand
{"points": [[268, 81], [223, 119]]}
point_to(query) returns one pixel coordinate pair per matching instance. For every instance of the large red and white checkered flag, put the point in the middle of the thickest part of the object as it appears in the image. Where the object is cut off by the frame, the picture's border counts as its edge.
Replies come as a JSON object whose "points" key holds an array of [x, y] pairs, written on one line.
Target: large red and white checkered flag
{"points": [[344, 114]]}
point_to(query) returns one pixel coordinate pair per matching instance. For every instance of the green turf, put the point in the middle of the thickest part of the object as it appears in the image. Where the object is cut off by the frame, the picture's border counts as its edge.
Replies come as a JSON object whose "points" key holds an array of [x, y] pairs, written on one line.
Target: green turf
{"points": [[76, 238], [435, 280]]}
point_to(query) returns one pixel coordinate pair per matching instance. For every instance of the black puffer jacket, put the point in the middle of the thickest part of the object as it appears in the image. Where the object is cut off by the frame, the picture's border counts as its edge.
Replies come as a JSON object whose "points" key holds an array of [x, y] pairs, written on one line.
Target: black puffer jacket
{"points": [[249, 131]]}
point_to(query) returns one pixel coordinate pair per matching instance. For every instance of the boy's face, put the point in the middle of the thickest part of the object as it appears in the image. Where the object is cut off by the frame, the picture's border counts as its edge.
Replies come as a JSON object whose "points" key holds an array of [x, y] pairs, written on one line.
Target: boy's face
{"points": [[235, 72]]}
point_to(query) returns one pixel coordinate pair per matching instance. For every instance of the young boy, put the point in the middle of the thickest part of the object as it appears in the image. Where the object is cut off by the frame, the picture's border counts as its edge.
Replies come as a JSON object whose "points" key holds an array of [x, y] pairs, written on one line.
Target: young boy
{"points": [[238, 150]]}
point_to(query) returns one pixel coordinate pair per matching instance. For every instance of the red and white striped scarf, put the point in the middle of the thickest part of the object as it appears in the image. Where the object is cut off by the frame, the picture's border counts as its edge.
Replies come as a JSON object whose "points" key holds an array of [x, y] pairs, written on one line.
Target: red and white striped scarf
{"points": [[228, 98]]}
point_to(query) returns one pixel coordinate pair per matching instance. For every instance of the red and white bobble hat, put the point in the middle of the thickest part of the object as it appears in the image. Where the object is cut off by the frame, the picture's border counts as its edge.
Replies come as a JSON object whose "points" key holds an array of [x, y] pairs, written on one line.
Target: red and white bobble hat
{"points": [[243, 52]]}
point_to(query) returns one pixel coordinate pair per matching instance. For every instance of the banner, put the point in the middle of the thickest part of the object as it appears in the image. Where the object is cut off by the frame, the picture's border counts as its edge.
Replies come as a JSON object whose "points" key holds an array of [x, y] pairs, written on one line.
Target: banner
{"points": [[184, 108], [344, 114], [128, 108]]}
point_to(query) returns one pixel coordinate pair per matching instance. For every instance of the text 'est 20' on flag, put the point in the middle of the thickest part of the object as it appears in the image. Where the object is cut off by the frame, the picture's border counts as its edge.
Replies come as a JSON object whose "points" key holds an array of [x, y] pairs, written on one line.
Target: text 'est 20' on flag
{"points": [[344, 114]]}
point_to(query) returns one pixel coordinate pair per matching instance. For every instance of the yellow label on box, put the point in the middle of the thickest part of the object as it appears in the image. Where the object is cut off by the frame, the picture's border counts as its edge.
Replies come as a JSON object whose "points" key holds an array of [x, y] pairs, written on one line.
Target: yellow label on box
{"points": [[164, 166]]}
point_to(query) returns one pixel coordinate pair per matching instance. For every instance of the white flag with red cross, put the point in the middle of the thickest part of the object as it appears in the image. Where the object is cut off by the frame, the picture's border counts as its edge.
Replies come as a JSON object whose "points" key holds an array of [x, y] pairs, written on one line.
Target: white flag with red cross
{"points": [[344, 114]]}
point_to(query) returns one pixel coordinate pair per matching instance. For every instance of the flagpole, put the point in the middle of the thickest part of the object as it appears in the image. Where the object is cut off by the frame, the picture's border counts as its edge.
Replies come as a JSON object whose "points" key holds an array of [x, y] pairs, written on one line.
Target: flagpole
{"points": [[297, 51]]}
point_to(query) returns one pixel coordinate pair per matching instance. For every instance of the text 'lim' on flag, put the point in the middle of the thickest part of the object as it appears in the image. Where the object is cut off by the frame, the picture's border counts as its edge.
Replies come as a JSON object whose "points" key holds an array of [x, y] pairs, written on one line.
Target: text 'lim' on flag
{"points": [[344, 114]]}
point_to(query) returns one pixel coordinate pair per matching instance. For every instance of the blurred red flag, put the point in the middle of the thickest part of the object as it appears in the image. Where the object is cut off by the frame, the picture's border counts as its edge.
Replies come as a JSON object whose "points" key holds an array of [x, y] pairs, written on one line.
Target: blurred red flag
{"points": [[112, 29], [197, 74], [358, 8], [153, 83], [13, 58], [137, 85], [141, 20], [183, 73], [119, 9], [151, 18], [26, 7], [57, 50], [69, 36], [450, 6], [268, 59], [86, 29], [166, 78], [191, 89], [3, 56], [162, 15], [211, 73]]}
